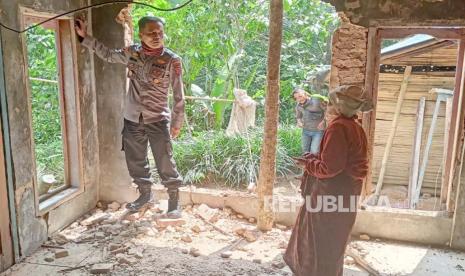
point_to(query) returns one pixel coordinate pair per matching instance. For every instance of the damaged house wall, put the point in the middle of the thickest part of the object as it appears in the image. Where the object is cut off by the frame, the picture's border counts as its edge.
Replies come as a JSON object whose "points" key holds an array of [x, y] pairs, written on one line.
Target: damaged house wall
{"points": [[402, 12], [353, 44], [33, 230]]}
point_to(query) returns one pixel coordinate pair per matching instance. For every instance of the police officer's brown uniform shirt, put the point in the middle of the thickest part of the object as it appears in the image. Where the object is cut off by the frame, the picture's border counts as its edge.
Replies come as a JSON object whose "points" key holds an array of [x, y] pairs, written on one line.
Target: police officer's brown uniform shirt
{"points": [[150, 78]]}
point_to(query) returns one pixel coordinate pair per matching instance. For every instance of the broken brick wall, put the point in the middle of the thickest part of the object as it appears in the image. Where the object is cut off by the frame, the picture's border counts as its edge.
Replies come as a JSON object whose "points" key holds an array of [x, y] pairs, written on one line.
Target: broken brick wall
{"points": [[350, 51], [349, 55]]}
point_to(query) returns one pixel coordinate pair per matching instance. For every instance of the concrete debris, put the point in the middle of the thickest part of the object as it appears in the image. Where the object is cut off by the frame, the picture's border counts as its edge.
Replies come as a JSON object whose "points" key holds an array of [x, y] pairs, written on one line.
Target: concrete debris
{"points": [[119, 250], [185, 251], [194, 252], [196, 229], [61, 253], [99, 205], [102, 268], [94, 219], [186, 238], [349, 260], [132, 216], [239, 230], [228, 211], [250, 235], [113, 246], [257, 261], [252, 220], [111, 220], [149, 214], [240, 216], [123, 259], [209, 214], [60, 240], [364, 237], [278, 264], [226, 254], [165, 222], [136, 252], [114, 206], [281, 227], [49, 259], [100, 235], [72, 234]]}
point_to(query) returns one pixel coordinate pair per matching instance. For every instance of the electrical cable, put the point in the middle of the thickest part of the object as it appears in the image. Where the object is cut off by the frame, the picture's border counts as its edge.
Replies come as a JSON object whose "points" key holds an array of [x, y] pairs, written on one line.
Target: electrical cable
{"points": [[96, 6]]}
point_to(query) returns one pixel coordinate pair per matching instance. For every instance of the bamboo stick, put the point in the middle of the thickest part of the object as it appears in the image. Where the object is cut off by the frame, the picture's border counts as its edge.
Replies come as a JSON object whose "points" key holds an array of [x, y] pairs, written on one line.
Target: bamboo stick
{"points": [[400, 100]]}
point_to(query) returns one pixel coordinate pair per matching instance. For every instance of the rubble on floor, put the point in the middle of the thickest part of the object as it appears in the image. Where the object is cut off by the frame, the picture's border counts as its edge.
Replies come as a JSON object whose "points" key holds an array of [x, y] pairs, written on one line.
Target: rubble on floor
{"points": [[206, 241]]}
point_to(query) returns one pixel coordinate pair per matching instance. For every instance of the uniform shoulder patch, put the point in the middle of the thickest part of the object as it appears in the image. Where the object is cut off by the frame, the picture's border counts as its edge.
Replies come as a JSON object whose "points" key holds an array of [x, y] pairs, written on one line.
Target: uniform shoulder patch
{"points": [[177, 65]]}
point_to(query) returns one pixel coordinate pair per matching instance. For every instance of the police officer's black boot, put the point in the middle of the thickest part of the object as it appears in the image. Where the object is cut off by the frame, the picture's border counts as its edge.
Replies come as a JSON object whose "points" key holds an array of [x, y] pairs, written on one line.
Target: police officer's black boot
{"points": [[145, 198], [174, 210]]}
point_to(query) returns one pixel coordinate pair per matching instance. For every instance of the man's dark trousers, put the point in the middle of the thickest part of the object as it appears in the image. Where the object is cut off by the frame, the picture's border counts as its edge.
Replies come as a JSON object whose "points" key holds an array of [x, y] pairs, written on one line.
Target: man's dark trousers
{"points": [[136, 137]]}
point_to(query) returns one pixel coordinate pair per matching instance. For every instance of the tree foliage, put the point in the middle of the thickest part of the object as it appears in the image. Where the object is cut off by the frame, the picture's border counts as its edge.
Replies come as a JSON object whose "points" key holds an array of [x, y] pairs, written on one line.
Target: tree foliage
{"points": [[224, 45]]}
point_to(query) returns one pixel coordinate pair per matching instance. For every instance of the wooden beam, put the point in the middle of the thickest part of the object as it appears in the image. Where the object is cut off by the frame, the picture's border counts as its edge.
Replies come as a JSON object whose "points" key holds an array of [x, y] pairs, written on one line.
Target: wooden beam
{"points": [[456, 127], [371, 92], [444, 184], [440, 98], [441, 33], [392, 133], [267, 174], [415, 165]]}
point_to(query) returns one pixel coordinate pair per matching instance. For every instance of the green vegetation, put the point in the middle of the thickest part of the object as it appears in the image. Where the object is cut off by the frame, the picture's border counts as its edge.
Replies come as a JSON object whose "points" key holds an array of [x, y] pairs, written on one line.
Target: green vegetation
{"points": [[46, 114], [234, 160]]}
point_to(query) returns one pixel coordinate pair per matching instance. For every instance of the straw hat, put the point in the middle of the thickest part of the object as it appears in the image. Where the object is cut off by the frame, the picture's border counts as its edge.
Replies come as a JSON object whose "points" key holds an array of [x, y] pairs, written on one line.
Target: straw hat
{"points": [[350, 99]]}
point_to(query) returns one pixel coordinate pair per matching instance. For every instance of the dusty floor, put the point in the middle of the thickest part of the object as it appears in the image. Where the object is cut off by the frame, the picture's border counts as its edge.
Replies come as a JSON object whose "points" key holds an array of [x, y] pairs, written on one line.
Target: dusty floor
{"points": [[210, 242]]}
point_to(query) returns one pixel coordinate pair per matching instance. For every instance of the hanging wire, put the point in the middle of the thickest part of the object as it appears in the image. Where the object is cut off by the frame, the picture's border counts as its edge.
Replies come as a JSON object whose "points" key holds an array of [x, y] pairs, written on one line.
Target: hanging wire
{"points": [[96, 6]]}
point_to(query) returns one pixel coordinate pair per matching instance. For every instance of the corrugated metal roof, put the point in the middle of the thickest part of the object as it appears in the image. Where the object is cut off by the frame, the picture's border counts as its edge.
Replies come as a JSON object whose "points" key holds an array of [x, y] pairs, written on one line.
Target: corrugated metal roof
{"points": [[408, 42]]}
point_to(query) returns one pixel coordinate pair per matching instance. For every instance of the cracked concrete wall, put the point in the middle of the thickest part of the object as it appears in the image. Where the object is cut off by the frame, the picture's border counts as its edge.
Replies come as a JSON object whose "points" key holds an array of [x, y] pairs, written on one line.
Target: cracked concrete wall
{"points": [[33, 230], [402, 12]]}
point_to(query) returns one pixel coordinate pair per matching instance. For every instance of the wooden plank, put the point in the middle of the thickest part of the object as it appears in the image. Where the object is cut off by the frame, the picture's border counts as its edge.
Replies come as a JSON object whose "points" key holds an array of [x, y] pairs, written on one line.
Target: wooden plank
{"points": [[426, 151], [416, 152], [401, 32], [400, 100], [444, 184], [456, 124], [371, 92]]}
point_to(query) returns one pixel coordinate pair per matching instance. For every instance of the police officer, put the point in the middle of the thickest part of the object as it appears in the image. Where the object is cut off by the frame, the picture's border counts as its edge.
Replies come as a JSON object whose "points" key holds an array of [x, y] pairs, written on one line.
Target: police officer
{"points": [[152, 70]]}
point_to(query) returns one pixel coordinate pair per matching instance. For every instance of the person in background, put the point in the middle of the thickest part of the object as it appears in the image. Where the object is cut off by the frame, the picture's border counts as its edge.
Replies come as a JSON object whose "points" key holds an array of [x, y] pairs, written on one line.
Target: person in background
{"points": [[310, 115]]}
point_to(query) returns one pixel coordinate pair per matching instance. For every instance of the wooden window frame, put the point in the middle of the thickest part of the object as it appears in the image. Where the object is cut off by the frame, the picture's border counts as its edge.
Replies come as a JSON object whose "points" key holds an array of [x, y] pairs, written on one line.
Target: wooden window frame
{"points": [[69, 105], [375, 36]]}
